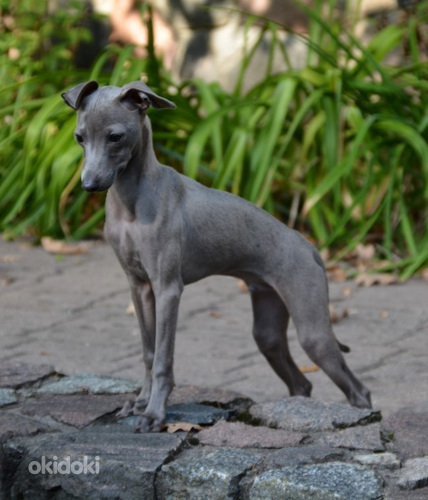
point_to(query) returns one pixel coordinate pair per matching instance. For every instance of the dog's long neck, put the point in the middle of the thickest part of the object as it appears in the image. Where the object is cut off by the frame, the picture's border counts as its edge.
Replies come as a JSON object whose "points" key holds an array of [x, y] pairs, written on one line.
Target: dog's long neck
{"points": [[139, 172]]}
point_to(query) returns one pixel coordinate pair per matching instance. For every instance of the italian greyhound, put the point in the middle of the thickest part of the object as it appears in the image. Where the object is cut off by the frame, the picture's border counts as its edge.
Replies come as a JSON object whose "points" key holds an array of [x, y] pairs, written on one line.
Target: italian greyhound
{"points": [[168, 230]]}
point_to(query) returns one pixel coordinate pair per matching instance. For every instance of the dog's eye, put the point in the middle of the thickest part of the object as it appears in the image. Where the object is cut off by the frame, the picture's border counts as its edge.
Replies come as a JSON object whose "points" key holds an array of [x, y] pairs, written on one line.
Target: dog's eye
{"points": [[115, 137], [79, 138]]}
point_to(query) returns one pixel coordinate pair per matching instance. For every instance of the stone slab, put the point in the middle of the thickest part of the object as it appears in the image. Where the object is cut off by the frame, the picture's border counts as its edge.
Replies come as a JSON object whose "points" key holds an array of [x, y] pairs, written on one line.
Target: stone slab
{"points": [[189, 413], [15, 375], [89, 383], [332, 481], [123, 465], [303, 455], [302, 414], [196, 414], [240, 435], [206, 395], [386, 459], [7, 397], [407, 430], [12, 425], [205, 473], [366, 437], [76, 410], [414, 474]]}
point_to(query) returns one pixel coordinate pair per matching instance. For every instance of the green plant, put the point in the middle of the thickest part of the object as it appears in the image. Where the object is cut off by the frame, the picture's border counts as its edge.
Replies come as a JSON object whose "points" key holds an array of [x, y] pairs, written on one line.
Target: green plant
{"points": [[337, 149], [39, 160]]}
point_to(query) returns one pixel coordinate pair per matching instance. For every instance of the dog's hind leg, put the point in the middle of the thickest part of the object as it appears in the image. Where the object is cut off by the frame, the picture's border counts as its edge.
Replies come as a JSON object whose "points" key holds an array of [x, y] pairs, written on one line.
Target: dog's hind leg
{"points": [[307, 299], [270, 333]]}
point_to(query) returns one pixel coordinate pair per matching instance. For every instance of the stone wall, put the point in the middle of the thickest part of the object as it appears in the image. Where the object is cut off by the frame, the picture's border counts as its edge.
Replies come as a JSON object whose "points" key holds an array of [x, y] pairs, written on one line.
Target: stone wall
{"points": [[60, 439]]}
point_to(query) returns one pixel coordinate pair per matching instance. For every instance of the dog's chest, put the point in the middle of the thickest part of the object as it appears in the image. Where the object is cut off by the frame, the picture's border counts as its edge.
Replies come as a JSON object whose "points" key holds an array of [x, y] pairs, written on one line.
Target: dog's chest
{"points": [[128, 246]]}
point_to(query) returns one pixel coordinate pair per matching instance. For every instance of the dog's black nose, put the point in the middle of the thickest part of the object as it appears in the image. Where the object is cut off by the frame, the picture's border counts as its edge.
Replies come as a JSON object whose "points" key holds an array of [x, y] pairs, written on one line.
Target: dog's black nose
{"points": [[90, 185]]}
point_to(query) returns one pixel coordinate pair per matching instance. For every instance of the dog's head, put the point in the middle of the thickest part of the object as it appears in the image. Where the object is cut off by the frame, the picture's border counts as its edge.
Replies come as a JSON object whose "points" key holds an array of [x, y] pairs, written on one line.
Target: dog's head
{"points": [[109, 127]]}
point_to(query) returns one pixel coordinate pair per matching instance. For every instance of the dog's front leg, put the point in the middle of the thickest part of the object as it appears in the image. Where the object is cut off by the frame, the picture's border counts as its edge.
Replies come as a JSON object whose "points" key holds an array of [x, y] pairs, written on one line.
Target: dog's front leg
{"points": [[167, 298], [144, 304]]}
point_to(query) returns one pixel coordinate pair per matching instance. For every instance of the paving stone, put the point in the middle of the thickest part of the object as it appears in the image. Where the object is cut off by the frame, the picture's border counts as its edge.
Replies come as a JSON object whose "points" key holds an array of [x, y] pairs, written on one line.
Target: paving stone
{"points": [[89, 383], [120, 465], [205, 473], [386, 459], [18, 374], [76, 410], [213, 396], [196, 414], [414, 474], [7, 397], [303, 455], [191, 413], [240, 435], [332, 481], [406, 495], [12, 424], [307, 415], [408, 430], [365, 437]]}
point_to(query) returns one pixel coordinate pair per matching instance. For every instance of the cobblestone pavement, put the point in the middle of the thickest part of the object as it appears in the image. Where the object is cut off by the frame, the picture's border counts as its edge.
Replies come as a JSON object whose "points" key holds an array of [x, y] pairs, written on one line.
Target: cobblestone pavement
{"points": [[70, 312]]}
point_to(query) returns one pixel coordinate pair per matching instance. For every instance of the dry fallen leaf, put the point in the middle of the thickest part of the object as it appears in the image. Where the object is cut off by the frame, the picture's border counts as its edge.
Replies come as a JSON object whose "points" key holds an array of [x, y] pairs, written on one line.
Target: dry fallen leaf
{"points": [[216, 314], [243, 288], [335, 315], [182, 427], [425, 274], [308, 369], [325, 254], [346, 291], [9, 258], [131, 309], [5, 280], [365, 253], [366, 279], [384, 314], [336, 274], [63, 247]]}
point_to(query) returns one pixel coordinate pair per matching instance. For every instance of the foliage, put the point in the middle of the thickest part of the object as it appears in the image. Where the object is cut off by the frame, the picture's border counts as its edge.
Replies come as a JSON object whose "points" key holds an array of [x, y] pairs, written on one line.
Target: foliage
{"points": [[337, 149]]}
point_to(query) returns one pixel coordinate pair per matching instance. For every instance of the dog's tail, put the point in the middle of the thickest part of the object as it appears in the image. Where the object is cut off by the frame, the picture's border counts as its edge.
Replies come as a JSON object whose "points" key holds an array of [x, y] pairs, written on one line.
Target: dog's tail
{"points": [[343, 347]]}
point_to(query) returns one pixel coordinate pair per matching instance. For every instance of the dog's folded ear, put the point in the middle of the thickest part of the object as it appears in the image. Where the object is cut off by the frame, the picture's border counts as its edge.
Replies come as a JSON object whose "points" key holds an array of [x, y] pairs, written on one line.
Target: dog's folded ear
{"points": [[74, 97], [137, 95]]}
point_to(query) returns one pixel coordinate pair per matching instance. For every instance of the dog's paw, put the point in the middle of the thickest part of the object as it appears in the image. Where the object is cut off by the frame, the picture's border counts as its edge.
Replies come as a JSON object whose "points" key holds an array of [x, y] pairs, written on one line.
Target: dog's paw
{"points": [[147, 423], [126, 411], [132, 408]]}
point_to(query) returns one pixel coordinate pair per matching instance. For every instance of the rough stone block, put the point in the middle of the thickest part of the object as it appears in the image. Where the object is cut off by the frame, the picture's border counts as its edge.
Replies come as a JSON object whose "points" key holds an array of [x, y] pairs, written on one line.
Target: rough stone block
{"points": [[205, 473], [365, 437], [240, 435], [15, 375], [202, 395], [387, 460], [76, 410], [302, 414], [414, 474], [13, 425], [92, 384], [332, 481], [7, 397], [408, 431], [196, 414], [119, 464], [303, 455]]}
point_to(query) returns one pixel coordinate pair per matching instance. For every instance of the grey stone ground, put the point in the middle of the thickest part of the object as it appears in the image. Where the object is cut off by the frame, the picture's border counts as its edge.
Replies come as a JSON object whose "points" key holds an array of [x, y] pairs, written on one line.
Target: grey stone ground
{"points": [[67, 315], [70, 312]]}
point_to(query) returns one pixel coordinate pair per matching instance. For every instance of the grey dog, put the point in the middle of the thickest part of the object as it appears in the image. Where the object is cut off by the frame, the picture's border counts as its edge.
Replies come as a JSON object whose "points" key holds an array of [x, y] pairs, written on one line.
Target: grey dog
{"points": [[168, 231]]}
